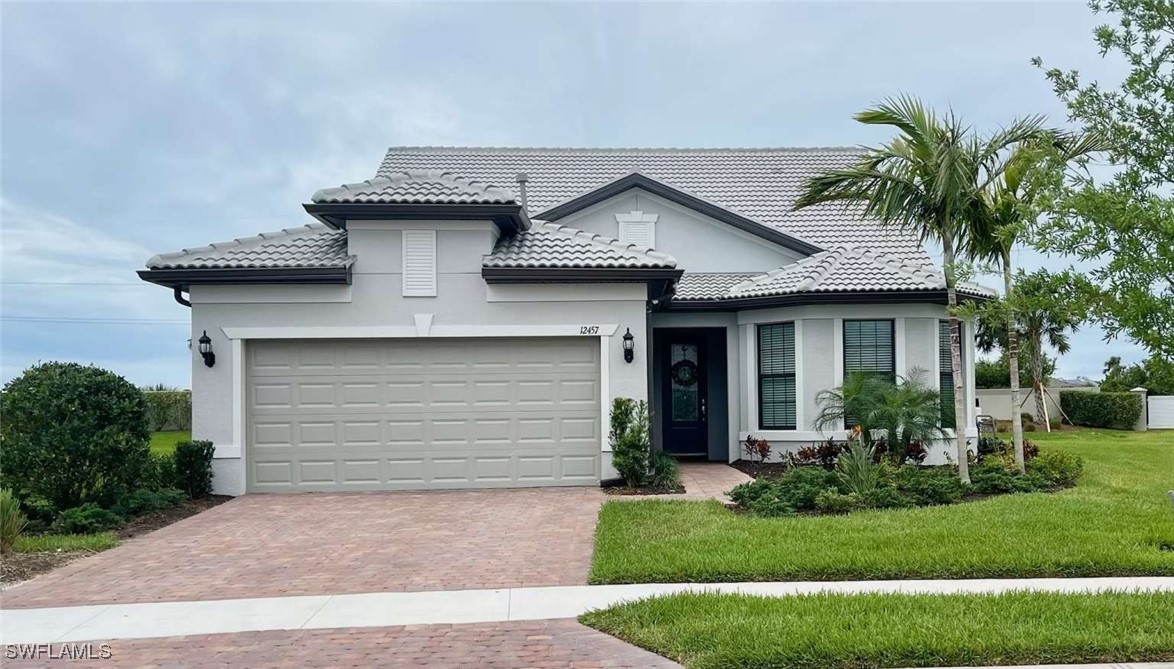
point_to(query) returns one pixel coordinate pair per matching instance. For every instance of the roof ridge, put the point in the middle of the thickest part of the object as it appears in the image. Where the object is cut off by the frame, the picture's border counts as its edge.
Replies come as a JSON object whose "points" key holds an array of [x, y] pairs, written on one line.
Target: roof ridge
{"points": [[243, 242], [773, 274], [599, 239], [398, 177], [635, 149]]}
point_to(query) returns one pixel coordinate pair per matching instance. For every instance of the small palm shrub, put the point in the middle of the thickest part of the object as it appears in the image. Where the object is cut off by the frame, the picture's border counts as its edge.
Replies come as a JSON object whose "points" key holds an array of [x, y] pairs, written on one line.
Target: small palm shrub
{"points": [[12, 520], [193, 468], [905, 414]]}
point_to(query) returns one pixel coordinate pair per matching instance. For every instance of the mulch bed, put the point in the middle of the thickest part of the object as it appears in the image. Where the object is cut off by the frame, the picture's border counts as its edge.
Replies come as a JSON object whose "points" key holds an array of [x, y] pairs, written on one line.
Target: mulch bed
{"points": [[643, 490], [17, 567], [153, 521], [755, 470]]}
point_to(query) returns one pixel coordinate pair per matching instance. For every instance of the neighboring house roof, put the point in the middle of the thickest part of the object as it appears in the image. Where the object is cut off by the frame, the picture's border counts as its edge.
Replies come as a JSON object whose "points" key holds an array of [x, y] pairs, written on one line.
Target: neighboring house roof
{"points": [[416, 187], [758, 184], [843, 270], [309, 254]]}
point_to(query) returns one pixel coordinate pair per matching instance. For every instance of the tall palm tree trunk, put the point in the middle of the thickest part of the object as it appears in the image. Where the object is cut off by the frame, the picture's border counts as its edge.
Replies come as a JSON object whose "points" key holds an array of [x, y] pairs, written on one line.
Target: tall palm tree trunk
{"points": [[1037, 381], [1013, 363], [956, 361]]}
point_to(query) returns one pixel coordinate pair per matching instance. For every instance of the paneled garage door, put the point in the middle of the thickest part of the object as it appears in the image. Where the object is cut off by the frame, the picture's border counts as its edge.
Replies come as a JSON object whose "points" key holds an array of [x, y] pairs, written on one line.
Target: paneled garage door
{"points": [[326, 415]]}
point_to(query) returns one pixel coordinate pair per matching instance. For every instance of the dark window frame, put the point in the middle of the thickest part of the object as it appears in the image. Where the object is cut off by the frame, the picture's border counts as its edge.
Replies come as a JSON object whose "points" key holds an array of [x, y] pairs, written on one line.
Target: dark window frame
{"points": [[891, 374], [791, 375]]}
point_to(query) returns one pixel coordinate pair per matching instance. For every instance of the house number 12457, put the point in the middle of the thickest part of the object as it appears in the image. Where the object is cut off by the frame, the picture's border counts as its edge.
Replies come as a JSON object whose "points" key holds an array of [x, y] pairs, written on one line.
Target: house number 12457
{"points": [[589, 329]]}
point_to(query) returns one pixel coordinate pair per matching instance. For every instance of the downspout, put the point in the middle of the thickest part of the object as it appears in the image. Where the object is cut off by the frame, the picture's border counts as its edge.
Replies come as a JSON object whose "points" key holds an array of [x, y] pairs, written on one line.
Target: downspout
{"points": [[178, 293]]}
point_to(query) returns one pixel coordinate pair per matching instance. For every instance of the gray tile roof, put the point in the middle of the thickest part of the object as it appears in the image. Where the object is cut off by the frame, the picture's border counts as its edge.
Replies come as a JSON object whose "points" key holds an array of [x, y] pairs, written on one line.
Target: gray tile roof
{"points": [[547, 245], [760, 184], [312, 245], [416, 187], [843, 269], [696, 286]]}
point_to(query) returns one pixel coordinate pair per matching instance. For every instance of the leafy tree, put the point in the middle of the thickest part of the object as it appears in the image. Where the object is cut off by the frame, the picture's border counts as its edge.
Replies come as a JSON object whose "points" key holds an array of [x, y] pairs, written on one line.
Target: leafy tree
{"points": [[1045, 311], [996, 373], [929, 180], [1154, 374], [1128, 219], [1009, 207]]}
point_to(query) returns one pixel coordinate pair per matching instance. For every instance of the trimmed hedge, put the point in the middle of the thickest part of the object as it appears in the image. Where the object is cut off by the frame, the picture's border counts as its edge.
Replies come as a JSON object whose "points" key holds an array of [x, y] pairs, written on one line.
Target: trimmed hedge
{"points": [[169, 410], [1117, 411]]}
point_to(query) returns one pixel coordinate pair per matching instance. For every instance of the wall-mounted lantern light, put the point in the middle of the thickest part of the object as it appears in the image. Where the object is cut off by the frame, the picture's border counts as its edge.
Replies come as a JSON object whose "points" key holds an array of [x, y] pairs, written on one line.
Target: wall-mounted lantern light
{"points": [[629, 345], [206, 350]]}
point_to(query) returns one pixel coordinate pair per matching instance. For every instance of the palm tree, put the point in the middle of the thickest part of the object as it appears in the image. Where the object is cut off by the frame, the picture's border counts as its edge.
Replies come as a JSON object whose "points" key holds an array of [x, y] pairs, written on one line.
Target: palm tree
{"points": [[1008, 209], [928, 180], [1043, 314], [901, 413]]}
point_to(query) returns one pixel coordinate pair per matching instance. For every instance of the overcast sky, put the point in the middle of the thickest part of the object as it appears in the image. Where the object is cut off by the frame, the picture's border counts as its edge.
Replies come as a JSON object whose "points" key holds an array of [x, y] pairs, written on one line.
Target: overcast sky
{"points": [[135, 129]]}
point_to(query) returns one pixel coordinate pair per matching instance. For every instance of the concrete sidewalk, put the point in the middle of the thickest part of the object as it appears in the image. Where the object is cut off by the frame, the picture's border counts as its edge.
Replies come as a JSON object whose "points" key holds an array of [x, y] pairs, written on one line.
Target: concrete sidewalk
{"points": [[167, 619]]}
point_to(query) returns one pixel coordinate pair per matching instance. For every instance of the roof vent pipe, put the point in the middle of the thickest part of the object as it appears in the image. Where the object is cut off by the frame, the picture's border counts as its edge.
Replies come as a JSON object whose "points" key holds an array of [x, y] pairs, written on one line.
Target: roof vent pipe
{"points": [[522, 179]]}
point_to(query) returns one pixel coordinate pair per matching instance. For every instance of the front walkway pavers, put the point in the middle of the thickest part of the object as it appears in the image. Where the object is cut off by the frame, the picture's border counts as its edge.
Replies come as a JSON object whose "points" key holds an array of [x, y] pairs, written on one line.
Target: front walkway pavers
{"points": [[549, 644], [310, 544]]}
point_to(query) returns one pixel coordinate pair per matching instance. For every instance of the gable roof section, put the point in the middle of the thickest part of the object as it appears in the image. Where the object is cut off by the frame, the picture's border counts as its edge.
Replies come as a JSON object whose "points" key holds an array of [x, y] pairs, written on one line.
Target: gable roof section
{"points": [[637, 180], [758, 184], [552, 251], [416, 187], [418, 194], [840, 273], [308, 254]]}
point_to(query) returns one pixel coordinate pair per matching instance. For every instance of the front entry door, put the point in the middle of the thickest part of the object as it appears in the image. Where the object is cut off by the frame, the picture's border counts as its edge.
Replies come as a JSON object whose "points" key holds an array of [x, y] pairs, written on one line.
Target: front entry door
{"points": [[685, 414]]}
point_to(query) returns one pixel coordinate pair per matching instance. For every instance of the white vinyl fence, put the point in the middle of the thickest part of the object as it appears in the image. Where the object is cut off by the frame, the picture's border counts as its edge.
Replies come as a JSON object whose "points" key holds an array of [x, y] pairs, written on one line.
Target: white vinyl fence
{"points": [[1161, 412]]}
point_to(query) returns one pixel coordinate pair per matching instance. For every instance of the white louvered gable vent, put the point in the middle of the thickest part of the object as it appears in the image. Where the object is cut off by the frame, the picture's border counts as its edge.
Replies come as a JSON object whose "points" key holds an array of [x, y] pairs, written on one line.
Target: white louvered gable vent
{"points": [[419, 263], [638, 229]]}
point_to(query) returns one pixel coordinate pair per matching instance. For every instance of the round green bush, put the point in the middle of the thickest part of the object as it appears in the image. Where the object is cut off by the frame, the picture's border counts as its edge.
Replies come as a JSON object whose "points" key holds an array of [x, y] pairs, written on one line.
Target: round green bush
{"points": [[72, 434]]}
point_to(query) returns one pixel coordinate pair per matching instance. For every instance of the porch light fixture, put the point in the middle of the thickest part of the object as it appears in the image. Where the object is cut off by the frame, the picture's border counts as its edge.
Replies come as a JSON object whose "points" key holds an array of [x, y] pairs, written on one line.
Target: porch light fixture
{"points": [[629, 345], [206, 349]]}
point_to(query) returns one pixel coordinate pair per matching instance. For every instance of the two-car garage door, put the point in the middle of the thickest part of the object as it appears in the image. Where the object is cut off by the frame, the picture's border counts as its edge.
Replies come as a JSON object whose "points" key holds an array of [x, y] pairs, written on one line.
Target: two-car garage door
{"points": [[407, 414]]}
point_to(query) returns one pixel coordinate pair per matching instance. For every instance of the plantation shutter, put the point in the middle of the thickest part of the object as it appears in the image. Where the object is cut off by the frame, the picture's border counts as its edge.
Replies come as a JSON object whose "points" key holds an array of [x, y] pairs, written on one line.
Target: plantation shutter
{"points": [[419, 263], [945, 371], [868, 348], [776, 376]]}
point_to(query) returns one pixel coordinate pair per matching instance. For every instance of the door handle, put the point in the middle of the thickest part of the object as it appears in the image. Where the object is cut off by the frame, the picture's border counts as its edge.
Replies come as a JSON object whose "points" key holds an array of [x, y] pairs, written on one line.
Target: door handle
{"points": [[704, 412]]}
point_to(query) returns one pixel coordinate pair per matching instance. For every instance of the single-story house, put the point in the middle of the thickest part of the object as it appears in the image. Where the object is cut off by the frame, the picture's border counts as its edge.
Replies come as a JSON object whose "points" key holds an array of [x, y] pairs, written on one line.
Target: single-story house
{"points": [[465, 318]]}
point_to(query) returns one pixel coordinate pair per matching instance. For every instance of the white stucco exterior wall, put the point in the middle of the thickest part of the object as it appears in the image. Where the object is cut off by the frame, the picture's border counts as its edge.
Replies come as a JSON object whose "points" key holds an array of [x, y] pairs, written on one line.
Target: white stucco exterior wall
{"points": [[819, 349], [374, 307], [698, 242]]}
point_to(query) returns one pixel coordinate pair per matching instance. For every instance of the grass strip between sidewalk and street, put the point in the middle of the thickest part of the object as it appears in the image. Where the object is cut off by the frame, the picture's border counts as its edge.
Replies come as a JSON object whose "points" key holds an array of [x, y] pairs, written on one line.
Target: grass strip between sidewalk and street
{"points": [[835, 631]]}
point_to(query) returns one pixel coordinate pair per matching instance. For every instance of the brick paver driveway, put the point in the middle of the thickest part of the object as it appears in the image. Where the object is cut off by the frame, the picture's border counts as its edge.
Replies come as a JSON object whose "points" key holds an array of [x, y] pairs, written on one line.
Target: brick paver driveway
{"points": [[310, 544], [549, 644]]}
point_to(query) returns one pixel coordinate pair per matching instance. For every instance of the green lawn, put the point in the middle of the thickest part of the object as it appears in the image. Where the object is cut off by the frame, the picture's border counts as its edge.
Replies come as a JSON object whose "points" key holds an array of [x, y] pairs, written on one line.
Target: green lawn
{"points": [[163, 443], [40, 543], [1118, 520], [704, 631]]}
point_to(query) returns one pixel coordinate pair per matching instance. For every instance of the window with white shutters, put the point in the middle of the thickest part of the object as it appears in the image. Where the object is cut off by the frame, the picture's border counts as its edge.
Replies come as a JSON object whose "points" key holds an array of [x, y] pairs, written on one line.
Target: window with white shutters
{"points": [[419, 263]]}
